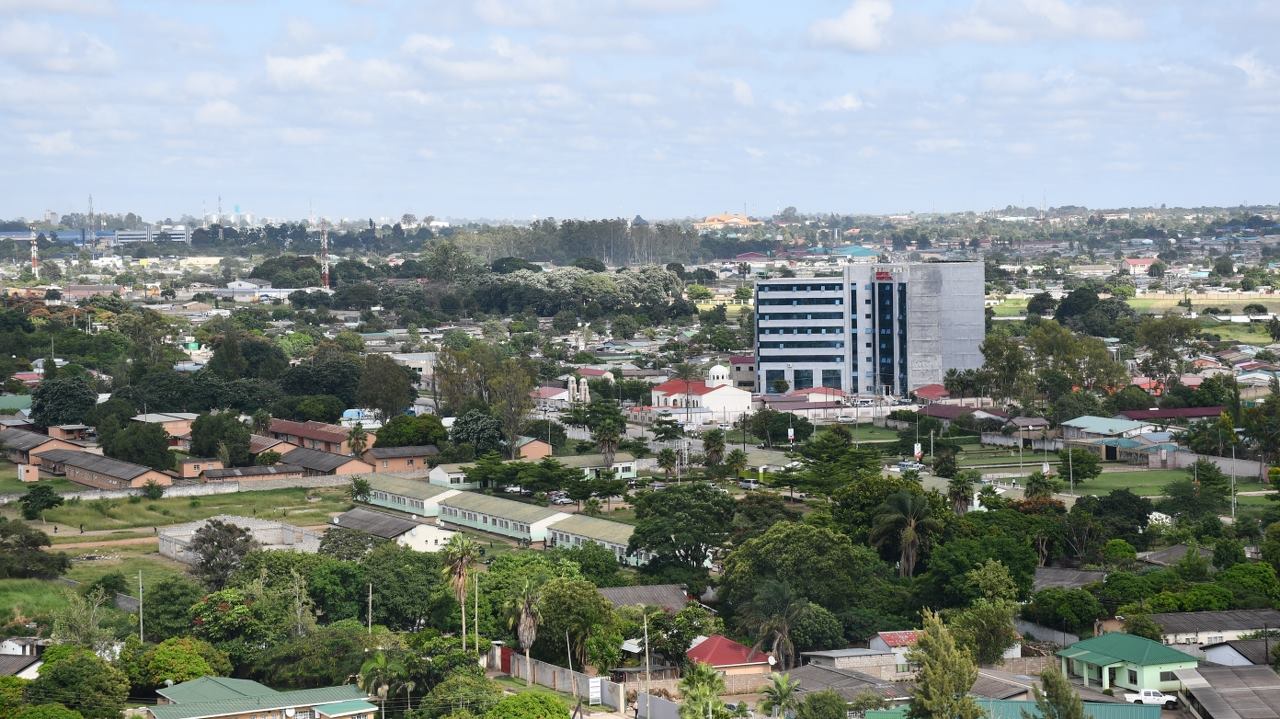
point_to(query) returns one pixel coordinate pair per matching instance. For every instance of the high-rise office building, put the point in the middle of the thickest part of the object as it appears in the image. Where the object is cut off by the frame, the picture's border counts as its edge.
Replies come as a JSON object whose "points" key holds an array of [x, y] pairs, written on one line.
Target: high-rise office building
{"points": [[874, 329]]}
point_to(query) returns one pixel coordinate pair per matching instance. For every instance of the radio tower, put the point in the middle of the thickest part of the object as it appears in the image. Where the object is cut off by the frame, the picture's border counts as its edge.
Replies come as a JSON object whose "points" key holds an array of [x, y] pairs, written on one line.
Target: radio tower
{"points": [[219, 219], [324, 254], [35, 256]]}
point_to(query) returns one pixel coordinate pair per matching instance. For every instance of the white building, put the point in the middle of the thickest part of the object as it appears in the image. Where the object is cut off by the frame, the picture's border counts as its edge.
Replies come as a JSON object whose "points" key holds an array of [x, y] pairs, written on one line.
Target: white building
{"points": [[716, 397], [876, 329]]}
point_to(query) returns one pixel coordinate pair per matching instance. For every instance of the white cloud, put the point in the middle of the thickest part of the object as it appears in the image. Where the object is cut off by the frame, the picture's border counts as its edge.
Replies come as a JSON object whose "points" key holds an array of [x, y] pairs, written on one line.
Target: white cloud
{"points": [[426, 153], [415, 97], [507, 62], [220, 112], [314, 71], [859, 28], [55, 143], [1008, 21], [70, 7], [940, 144], [1257, 73], [848, 102], [40, 46], [636, 99], [432, 44], [742, 93], [754, 152]]}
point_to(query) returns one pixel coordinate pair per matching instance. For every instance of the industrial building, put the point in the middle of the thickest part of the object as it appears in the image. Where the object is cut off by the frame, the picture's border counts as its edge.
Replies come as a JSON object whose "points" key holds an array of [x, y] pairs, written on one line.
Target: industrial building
{"points": [[873, 329]]}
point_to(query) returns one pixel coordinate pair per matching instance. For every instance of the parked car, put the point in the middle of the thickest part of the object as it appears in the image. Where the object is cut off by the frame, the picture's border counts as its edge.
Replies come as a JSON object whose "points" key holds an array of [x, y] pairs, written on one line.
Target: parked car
{"points": [[1152, 696], [907, 465], [562, 501], [846, 418], [749, 484]]}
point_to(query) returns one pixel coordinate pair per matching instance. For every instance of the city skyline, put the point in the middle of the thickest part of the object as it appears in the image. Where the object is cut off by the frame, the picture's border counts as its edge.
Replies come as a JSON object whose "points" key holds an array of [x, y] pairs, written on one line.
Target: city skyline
{"points": [[663, 108]]}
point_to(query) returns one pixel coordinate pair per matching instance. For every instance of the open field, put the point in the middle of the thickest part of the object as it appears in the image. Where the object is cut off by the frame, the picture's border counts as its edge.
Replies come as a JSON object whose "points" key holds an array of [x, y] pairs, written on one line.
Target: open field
{"points": [[1010, 308], [29, 598], [1252, 333], [1148, 483], [88, 565], [9, 483], [296, 506]]}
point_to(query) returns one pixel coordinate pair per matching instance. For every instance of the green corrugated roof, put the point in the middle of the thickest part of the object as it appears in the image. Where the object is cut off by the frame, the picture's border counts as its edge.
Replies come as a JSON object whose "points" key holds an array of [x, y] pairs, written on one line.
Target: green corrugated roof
{"points": [[594, 528], [15, 401], [252, 704], [344, 708], [212, 689], [499, 507], [414, 488], [1119, 646], [1012, 709], [583, 461], [1104, 425], [1094, 658]]}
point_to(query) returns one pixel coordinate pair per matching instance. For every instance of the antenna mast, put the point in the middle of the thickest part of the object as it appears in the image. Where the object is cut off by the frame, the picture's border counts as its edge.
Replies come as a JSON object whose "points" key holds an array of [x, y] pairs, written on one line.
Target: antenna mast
{"points": [[35, 256], [324, 254], [219, 219]]}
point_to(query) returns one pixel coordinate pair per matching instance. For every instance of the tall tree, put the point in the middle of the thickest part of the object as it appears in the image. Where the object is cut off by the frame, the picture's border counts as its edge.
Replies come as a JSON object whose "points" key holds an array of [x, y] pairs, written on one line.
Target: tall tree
{"points": [[946, 675], [607, 436], [64, 400], [460, 554], [144, 443], [219, 547], [907, 520], [700, 690], [1055, 698], [511, 401], [960, 490], [523, 616], [381, 675], [384, 386], [357, 439], [779, 696], [221, 432]]}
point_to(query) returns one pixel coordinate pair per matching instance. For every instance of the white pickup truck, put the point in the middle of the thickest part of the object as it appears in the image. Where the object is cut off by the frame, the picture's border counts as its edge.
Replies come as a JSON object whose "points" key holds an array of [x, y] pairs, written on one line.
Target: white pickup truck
{"points": [[1151, 696]]}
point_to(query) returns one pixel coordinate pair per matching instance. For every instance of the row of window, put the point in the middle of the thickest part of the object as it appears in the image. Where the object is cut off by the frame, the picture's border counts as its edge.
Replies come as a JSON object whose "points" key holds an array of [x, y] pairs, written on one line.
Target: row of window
{"points": [[803, 378], [802, 330], [837, 359], [800, 316], [397, 499], [800, 345], [802, 287], [485, 519], [805, 301]]}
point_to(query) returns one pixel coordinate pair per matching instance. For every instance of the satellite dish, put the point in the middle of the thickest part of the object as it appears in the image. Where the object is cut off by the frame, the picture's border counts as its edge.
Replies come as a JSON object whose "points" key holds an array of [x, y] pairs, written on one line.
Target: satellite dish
{"points": [[290, 712]]}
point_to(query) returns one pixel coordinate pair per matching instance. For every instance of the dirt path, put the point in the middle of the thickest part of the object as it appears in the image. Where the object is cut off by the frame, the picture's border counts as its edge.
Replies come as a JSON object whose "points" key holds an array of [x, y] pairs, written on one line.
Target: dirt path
{"points": [[104, 543]]}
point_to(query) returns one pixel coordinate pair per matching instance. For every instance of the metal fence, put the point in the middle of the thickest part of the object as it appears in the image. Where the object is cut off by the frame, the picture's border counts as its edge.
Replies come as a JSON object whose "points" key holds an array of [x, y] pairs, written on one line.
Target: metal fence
{"points": [[592, 690]]}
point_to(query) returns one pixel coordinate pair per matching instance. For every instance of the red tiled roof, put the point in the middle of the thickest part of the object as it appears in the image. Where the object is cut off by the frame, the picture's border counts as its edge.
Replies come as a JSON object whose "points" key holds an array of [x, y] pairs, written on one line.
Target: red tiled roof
{"points": [[677, 386], [1139, 261], [742, 359], [931, 392], [721, 651], [310, 429], [1173, 413], [589, 372], [547, 392], [903, 638]]}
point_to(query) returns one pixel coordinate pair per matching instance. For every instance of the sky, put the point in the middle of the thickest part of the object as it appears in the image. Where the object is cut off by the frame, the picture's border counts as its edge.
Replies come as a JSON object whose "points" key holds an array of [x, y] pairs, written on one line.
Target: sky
{"points": [[611, 108]]}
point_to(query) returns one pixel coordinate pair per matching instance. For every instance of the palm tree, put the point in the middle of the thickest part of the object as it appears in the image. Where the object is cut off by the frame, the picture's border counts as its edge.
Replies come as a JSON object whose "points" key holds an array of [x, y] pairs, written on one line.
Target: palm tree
{"points": [[261, 421], [771, 615], [1040, 486], [382, 676], [713, 446], [459, 554], [960, 491], [905, 518], [523, 615], [736, 462], [357, 440], [606, 437], [667, 460], [700, 690], [779, 696]]}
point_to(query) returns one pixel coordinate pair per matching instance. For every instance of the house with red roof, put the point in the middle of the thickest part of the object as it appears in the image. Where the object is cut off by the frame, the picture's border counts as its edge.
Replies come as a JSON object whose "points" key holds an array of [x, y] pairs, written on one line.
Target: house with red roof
{"points": [[332, 438], [729, 657], [817, 394], [1137, 266], [931, 392], [900, 642]]}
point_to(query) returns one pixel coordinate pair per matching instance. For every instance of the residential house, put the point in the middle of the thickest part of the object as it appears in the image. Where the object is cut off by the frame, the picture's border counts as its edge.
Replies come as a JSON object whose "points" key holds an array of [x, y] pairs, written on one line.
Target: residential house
{"points": [[1028, 426], [898, 643], [452, 476], [404, 532], [850, 684], [314, 461], [413, 496], [194, 467], [20, 666], [742, 370], [256, 472], [94, 470], [1213, 627], [323, 436], [729, 657], [528, 523], [177, 425], [1090, 427], [24, 448], [671, 598], [224, 698], [817, 394], [592, 465], [1124, 661], [401, 459], [578, 529], [70, 432], [1251, 692], [1242, 652], [531, 449], [1137, 266], [1172, 415], [550, 397], [931, 393], [261, 443], [877, 663], [948, 413]]}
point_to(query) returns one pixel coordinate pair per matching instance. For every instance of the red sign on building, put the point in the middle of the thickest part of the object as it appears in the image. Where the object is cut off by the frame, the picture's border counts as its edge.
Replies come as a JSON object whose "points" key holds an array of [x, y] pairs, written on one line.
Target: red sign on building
{"points": [[882, 275]]}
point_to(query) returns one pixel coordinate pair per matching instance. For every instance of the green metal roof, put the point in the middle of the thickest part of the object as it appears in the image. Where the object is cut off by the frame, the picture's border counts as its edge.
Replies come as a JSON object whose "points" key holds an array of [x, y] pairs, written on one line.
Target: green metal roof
{"points": [[1088, 657], [499, 507], [1121, 647], [1104, 425], [253, 704], [404, 487], [603, 530], [212, 689], [15, 401], [354, 706], [1012, 709]]}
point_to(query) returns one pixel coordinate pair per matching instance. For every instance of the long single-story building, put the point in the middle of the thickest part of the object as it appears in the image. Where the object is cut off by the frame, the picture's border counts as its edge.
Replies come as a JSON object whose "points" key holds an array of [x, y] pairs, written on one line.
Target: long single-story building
{"points": [[94, 470], [314, 462], [1212, 627], [273, 471], [24, 449], [316, 435], [517, 520], [413, 496], [592, 465], [577, 529], [1124, 662], [224, 698], [1249, 692]]}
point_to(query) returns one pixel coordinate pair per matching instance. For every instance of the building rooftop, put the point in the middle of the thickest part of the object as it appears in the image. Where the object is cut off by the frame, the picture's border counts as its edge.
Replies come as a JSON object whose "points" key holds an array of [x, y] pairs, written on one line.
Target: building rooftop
{"points": [[1013, 709], [315, 460], [671, 597], [405, 487], [721, 651], [1117, 647], [1257, 651], [257, 704], [23, 440], [1251, 692], [378, 524], [1237, 619], [101, 465], [211, 689], [848, 683], [499, 507], [602, 530], [584, 461], [1104, 425], [1047, 577], [425, 450], [311, 429], [255, 471]]}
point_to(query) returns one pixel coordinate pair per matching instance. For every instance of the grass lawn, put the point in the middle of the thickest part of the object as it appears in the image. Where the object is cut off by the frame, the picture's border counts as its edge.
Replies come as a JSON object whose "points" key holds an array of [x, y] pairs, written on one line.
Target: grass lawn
{"points": [[870, 432], [9, 483], [1010, 308], [1145, 483], [126, 559], [1248, 334], [29, 598], [626, 515], [291, 505]]}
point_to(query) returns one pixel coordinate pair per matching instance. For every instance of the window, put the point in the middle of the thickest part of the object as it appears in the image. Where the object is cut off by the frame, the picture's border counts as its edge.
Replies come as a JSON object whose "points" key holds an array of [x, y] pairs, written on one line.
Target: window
{"points": [[831, 378], [804, 378], [1133, 677], [384, 464], [1168, 677]]}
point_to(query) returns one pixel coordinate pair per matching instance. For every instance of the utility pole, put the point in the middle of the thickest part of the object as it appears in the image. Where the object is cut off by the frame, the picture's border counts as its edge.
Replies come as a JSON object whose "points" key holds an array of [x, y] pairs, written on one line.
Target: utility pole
{"points": [[647, 676], [140, 635], [370, 609]]}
